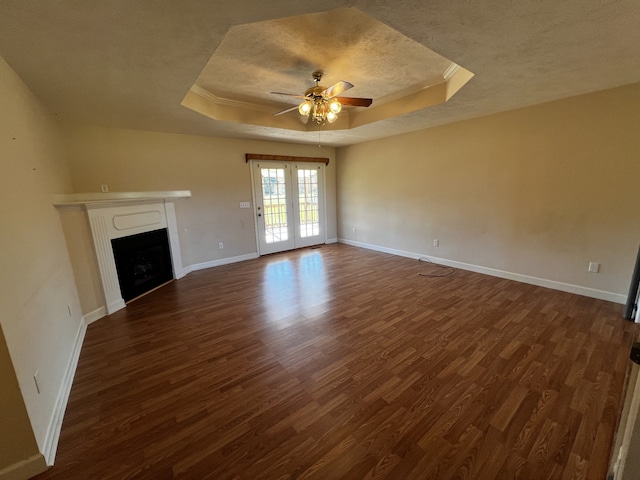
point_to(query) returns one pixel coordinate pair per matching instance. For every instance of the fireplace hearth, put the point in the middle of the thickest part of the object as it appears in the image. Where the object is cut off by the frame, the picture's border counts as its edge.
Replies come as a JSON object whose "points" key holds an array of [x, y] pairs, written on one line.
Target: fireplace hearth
{"points": [[143, 262]]}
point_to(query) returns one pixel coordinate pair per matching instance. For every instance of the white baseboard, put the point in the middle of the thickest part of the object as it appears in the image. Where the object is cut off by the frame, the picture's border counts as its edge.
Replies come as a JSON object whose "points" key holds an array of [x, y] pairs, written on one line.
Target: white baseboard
{"points": [[540, 282], [24, 469], [50, 445], [222, 261], [331, 240], [183, 272], [97, 314], [116, 305]]}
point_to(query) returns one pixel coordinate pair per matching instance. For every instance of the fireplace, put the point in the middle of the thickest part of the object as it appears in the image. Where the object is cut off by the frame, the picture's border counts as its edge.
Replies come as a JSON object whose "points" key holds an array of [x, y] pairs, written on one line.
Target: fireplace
{"points": [[112, 222], [119, 215], [143, 262]]}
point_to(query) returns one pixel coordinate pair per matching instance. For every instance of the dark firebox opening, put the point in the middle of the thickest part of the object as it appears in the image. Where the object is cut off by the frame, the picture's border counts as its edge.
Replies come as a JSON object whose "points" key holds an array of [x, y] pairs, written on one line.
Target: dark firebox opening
{"points": [[143, 262]]}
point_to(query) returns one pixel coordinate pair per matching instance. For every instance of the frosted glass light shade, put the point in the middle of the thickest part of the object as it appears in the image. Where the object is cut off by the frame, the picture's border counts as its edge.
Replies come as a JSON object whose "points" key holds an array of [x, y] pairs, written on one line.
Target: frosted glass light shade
{"points": [[334, 105], [304, 108]]}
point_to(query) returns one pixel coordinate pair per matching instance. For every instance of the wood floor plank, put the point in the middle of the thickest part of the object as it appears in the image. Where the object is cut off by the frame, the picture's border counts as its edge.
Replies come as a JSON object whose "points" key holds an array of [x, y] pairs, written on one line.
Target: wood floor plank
{"points": [[339, 362]]}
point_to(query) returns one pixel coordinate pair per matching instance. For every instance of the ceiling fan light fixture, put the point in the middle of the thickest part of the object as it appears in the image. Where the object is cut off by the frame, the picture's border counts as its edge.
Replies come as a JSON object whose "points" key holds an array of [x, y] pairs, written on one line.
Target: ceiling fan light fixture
{"points": [[322, 104], [320, 109]]}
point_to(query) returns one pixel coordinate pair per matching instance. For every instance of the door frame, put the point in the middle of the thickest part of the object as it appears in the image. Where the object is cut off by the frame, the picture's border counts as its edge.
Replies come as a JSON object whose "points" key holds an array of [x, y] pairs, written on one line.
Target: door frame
{"points": [[291, 161]]}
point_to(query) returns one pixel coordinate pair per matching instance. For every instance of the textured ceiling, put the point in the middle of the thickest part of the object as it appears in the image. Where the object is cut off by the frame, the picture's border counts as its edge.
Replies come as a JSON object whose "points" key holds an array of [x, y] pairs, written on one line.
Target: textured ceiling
{"points": [[256, 58], [130, 64], [399, 73]]}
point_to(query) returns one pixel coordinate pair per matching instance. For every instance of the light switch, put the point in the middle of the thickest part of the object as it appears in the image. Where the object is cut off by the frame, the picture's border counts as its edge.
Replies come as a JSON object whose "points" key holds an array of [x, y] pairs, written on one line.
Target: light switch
{"points": [[245, 205]]}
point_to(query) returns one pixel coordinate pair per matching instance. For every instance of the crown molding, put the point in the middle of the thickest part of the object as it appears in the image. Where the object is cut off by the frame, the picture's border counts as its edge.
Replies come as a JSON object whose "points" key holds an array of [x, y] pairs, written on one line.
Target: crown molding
{"points": [[450, 71], [206, 94]]}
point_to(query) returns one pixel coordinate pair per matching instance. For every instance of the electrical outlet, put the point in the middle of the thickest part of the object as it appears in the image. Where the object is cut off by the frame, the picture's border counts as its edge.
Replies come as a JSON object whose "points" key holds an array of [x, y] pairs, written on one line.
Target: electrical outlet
{"points": [[104, 188], [221, 245], [594, 267], [436, 242], [354, 229]]}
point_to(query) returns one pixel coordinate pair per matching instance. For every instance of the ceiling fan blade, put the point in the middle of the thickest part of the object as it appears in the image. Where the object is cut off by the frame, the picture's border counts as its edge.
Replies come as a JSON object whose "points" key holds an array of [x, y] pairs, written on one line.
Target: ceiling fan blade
{"points": [[355, 102], [288, 94], [285, 111], [337, 88]]}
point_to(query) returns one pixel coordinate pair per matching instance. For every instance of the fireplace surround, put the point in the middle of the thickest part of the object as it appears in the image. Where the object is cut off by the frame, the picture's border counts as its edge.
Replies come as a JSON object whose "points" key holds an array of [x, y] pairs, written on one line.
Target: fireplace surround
{"points": [[114, 216]]}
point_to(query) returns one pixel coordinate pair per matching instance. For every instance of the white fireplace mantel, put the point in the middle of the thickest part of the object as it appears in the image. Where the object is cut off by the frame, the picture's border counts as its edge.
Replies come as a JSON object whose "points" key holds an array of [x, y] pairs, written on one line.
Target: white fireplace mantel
{"points": [[121, 214], [97, 198]]}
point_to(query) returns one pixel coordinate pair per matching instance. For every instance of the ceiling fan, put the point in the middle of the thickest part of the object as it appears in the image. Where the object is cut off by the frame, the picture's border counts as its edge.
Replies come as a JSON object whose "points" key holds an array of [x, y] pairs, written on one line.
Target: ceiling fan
{"points": [[323, 103]]}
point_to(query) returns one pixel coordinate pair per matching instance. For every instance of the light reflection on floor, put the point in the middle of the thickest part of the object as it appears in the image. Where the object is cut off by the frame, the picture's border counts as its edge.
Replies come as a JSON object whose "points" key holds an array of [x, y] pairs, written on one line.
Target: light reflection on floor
{"points": [[294, 289]]}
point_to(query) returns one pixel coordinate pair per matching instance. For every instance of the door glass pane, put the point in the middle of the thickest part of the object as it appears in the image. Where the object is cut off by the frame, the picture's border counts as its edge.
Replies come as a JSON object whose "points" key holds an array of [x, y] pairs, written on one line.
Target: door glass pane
{"points": [[274, 198], [308, 202]]}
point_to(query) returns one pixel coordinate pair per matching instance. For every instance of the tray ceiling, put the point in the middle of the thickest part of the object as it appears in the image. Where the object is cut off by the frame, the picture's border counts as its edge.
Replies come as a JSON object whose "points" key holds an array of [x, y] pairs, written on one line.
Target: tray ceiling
{"points": [[402, 75]]}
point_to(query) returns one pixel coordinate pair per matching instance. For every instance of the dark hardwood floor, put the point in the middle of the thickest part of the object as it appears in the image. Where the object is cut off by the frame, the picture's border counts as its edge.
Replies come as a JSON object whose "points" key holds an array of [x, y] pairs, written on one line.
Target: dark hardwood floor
{"points": [[344, 363]]}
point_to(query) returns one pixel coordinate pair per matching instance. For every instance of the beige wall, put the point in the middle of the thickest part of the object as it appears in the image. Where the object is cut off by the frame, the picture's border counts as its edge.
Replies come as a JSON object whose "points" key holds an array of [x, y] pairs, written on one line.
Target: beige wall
{"points": [[38, 300], [539, 191], [214, 169]]}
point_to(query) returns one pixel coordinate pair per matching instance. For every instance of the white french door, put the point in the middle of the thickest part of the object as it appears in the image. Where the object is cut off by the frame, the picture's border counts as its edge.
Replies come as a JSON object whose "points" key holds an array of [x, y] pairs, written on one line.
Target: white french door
{"points": [[289, 201]]}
